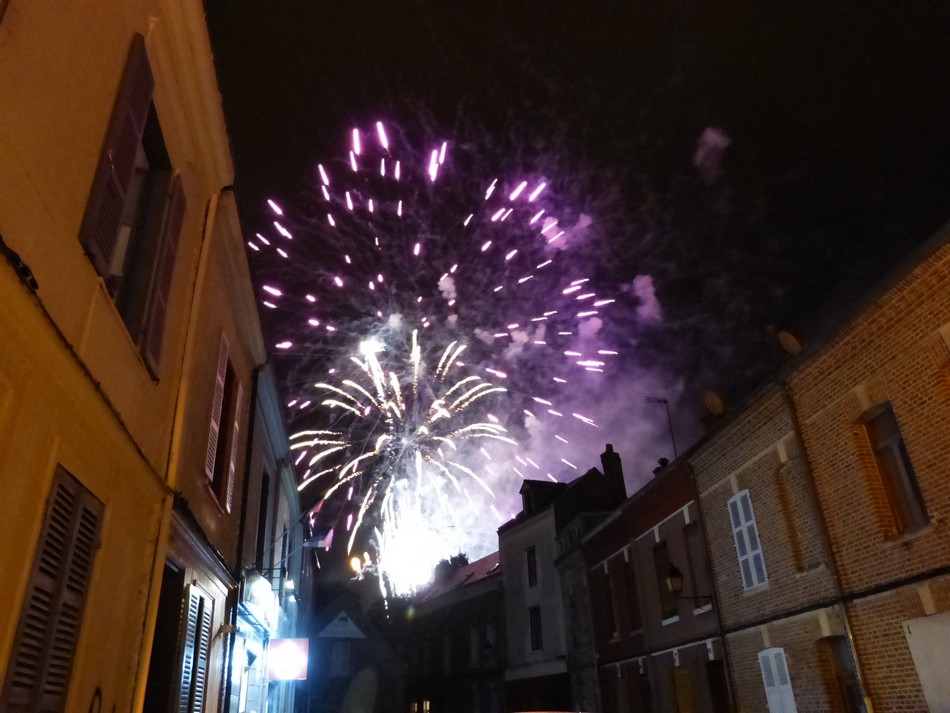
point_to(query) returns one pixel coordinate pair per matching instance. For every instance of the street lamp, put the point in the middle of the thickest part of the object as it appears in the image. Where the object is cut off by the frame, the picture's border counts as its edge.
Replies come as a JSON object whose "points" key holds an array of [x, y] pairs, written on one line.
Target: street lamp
{"points": [[674, 584]]}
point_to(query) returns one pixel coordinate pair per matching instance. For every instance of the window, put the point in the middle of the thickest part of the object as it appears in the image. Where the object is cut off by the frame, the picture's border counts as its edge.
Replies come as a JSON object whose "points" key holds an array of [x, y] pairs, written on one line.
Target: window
{"points": [[340, 658], [661, 562], [610, 607], [698, 583], [632, 598], [48, 630], [534, 628], [221, 459], [196, 638], [531, 558], [778, 687], [474, 645], [134, 214], [748, 547], [893, 464]]}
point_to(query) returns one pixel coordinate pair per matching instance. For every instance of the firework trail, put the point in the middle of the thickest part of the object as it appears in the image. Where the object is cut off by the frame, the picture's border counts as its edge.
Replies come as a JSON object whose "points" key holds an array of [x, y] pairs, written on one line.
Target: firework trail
{"points": [[428, 318]]}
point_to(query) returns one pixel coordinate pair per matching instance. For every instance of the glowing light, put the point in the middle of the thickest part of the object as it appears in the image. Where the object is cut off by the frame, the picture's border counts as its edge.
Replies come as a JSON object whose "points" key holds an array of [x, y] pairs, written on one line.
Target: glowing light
{"points": [[381, 132], [272, 290], [284, 345], [356, 142], [323, 175], [274, 207], [517, 192], [536, 192]]}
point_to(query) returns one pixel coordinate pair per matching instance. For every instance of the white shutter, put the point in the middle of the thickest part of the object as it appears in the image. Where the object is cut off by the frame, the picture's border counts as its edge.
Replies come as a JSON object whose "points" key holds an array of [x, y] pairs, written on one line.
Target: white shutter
{"points": [[748, 547], [778, 686], [216, 405]]}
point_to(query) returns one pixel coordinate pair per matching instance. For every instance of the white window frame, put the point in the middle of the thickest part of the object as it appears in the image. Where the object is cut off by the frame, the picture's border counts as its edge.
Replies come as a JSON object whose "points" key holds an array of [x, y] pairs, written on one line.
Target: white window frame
{"points": [[778, 684], [748, 544]]}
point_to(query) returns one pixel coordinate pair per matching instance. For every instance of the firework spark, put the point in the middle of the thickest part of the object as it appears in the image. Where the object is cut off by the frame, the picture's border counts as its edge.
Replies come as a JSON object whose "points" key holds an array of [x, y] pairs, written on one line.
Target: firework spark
{"points": [[422, 308]]}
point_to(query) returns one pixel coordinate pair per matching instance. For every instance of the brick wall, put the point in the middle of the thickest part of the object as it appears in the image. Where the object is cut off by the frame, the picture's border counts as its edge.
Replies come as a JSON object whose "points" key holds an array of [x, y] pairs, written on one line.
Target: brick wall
{"points": [[896, 352], [758, 452]]}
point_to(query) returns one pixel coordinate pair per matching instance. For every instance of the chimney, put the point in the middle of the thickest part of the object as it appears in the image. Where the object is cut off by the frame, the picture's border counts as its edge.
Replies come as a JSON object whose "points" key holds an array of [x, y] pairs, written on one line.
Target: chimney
{"points": [[613, 470]]}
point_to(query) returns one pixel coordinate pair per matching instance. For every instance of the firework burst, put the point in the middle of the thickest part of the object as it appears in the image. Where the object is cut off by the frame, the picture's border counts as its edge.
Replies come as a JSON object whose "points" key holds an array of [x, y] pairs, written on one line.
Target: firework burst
{"points": [[406, 311]]}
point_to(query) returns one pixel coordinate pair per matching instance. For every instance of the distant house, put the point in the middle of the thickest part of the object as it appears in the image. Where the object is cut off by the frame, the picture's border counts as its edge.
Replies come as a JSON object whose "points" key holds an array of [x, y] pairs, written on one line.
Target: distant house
{"points": [[352, 667], [537, 677], [454, 643]]}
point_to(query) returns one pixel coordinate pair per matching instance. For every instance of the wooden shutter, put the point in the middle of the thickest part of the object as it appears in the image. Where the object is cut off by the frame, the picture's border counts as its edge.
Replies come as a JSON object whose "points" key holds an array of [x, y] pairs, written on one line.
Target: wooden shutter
{"points": [[100, 225], [232, 461], [216, 407], [196, 647], [748, 546], [48, 631], [154, 331], [202, 651], [778, 685]]}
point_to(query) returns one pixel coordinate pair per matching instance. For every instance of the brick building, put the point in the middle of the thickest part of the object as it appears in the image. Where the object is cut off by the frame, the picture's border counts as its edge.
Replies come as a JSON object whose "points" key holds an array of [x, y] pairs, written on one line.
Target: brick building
{"points": [[874, 407], [657, 645], [785, 631]]}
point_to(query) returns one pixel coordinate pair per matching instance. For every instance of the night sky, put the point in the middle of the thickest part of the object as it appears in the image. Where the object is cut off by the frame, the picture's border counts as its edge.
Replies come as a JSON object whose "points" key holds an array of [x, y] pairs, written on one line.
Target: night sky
{"points": [[827, 139]]}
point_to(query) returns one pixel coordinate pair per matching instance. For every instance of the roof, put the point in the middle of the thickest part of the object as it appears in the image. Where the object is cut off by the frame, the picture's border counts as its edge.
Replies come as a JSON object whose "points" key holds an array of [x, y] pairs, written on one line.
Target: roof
{"points": [[461, 577]]}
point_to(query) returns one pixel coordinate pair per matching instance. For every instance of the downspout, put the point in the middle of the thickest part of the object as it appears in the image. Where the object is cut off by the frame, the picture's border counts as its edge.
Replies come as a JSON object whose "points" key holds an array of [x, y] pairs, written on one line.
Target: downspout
{"points": [[151, 606], [826, 538], [720, 626]]}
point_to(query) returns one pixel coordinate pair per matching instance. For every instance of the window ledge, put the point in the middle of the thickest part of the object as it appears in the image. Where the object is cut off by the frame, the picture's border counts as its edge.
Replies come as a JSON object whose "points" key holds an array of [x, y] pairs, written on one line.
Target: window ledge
{"points": [[752, 591], [905, 538], [703, 609], [811, 570], [672, 620]]}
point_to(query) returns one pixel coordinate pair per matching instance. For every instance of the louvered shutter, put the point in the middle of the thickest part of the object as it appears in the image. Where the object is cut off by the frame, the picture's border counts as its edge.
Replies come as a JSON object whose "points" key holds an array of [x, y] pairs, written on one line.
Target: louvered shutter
{"points": [[100, 224], [48, 632], [232, 461], [778, 686], [748, 547], [202, 651], [191, 616], [161, 285], [216, 406]]}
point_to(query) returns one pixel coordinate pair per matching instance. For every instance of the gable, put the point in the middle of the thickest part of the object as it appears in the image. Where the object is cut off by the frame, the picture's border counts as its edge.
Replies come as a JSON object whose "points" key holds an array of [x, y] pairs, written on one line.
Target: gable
{"points": [[342, 627]]}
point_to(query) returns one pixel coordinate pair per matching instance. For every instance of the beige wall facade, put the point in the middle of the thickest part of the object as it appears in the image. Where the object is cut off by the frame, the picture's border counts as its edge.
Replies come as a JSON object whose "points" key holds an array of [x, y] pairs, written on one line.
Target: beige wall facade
{"points": [[84, 389]]}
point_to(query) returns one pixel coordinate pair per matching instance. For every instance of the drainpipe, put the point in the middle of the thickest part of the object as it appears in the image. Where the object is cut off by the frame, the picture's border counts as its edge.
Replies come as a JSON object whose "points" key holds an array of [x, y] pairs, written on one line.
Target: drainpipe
{"points": [[826, 539], [164, 533]]}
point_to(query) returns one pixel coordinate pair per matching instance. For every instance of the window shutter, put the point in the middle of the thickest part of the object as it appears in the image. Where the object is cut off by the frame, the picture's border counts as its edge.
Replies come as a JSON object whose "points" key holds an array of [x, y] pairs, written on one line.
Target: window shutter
{"points": [[778, 686], [202, 650], [48, 632], [161, 285], [191, 613], [216, 405], [748, 547], [235, 433], [100, 224]]}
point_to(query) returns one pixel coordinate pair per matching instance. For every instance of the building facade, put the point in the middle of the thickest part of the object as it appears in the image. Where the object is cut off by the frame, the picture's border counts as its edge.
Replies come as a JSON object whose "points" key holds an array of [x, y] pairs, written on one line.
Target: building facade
{"points": [[129, 347], [874, 407], [785, 629], [656, 625]]}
